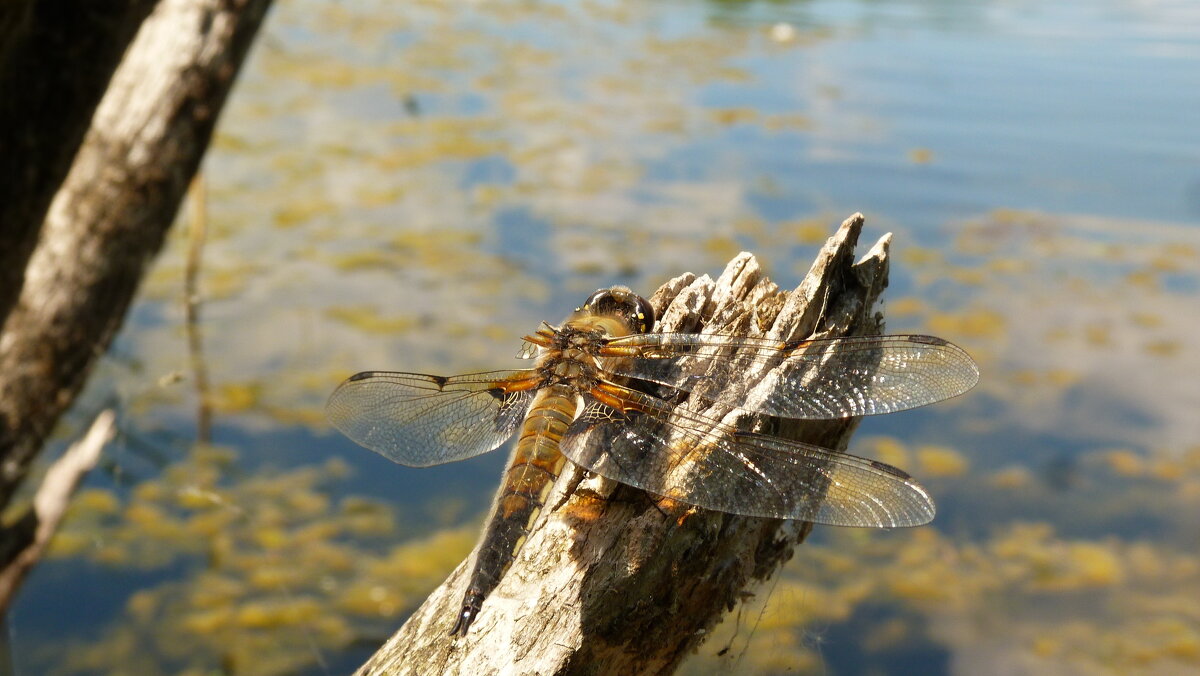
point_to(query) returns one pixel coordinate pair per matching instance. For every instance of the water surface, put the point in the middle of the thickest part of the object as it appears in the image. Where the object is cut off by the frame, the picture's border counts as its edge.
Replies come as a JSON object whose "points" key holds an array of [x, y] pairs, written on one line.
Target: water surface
{"points": [[413, 186]]}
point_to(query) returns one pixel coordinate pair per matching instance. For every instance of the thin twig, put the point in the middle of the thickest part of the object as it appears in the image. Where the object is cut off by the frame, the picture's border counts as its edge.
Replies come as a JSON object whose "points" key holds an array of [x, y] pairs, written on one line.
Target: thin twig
{"points": [[52, 499]]}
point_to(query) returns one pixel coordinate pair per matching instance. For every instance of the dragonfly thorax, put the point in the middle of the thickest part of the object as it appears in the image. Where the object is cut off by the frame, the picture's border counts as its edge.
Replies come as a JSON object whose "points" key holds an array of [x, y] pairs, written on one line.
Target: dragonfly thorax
{"points": [[573, 357]]}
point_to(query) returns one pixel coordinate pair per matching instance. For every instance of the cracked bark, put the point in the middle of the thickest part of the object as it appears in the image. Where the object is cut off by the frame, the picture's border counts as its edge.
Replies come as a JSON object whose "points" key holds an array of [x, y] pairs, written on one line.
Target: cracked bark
{"points": [[610, 581]]}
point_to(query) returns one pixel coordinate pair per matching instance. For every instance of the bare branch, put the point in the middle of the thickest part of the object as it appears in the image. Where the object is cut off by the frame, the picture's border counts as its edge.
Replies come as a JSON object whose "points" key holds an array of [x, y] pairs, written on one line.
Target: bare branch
{"points": [[51, 502]]}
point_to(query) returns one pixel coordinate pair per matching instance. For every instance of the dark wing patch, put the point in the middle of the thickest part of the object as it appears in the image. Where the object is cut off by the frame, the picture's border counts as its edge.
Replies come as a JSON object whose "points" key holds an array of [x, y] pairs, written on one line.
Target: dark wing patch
{"points": [[697, 460], [421, 420]]}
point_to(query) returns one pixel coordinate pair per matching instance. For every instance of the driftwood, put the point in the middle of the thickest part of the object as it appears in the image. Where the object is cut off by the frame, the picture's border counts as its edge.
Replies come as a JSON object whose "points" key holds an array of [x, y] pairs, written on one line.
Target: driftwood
{"points": [[110, 214], [611, 581]]}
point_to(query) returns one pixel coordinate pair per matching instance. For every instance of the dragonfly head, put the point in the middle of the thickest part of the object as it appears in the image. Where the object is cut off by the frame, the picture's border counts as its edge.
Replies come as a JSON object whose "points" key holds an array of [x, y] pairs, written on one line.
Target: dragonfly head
{"points": [[623, 304]]}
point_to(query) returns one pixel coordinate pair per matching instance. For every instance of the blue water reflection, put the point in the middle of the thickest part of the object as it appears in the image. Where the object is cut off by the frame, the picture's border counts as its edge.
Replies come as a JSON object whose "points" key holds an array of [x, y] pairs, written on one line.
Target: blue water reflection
{"points": [[414, 188]]}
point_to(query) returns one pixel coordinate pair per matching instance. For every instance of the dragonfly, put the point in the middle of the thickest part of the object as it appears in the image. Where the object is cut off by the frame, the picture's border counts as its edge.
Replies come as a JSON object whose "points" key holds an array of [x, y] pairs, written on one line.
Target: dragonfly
{"points": [[602, 393]]}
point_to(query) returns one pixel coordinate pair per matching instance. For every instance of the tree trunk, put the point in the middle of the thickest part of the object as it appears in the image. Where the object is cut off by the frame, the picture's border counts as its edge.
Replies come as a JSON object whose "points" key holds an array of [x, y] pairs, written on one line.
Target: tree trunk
{"points": [[109, 216], [56, 59], [611, 582]]}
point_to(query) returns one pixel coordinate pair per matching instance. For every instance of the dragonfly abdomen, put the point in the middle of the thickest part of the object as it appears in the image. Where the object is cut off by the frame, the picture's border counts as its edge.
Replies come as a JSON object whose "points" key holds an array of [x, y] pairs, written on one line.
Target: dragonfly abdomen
{"points": [[535, 465]]}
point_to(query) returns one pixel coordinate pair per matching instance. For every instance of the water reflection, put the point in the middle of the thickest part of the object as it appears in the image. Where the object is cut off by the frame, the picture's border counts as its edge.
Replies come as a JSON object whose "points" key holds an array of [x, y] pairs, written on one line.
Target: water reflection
{"points": [[416, 185]]}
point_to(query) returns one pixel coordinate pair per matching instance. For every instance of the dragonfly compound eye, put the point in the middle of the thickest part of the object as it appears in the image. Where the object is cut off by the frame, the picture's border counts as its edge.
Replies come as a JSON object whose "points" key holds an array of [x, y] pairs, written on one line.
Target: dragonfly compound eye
{"points": [[620, 301], [645, 315]]}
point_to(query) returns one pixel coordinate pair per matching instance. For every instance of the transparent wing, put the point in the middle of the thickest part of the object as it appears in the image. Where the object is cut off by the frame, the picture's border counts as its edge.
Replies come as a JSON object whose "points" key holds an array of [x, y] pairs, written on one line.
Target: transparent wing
{"points": [[641, 442], [420, 420], [822, 378]]}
